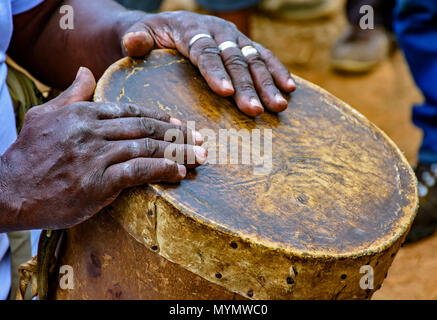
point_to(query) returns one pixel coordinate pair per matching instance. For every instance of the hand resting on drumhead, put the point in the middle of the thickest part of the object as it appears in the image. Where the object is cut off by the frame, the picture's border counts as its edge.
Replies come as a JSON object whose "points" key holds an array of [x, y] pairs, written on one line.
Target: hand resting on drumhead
{"points": [[73, 157], [231, 63], [103, 31]]}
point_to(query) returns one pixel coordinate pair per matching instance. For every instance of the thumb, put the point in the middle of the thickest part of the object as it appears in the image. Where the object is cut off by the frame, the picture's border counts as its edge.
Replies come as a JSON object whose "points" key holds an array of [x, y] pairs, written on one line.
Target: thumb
{"points": [[81, 89], [137, 42]]}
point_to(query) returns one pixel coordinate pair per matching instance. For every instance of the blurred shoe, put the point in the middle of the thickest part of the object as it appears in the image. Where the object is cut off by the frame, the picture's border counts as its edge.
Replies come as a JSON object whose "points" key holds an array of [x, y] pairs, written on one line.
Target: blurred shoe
{"points": [[300, 9], [360, 50], [425, 223]]}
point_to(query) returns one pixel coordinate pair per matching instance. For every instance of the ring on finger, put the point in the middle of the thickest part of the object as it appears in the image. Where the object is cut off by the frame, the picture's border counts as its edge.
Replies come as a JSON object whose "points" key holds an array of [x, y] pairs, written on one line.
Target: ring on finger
{"points": [[248, 50], [226, 45], [197, 37]]}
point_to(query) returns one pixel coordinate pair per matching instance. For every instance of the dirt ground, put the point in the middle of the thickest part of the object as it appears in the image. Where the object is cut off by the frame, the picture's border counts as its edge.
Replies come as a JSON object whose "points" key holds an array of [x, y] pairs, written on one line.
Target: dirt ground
{"points": [[384, 96]]}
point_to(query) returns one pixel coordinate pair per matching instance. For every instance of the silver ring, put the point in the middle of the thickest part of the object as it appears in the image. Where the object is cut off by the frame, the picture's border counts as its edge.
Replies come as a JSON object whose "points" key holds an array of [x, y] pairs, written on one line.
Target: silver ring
{"points": [[248, 50], [226, 45], [197, 37]]}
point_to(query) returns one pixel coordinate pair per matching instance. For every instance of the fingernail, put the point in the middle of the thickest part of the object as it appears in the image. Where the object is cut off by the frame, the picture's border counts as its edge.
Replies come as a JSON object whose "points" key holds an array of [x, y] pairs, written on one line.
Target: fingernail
{"points": [[227, 85], [140, 33], [200, 154], [126, 36], [197, 137], [182, 170], [79, 72], [175, 121], [280, 99], [291, 83], [256, 105]]}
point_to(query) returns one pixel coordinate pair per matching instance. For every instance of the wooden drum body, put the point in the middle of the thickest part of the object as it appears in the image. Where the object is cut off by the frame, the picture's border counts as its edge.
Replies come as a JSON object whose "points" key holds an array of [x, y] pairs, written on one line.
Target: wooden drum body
{"points": [[339, 196]]}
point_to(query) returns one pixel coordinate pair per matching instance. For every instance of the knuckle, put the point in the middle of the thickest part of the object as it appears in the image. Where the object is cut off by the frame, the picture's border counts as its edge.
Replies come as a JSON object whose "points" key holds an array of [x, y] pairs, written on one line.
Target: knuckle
{"points": [[267, 82], [30, 114], [256, 61], [112, 108], [208, 51], [82, 133], [227, 25], [147, 126], [169, 166], [235, 61], [245, 86], [160, 115], [102, 149], [151, 147], [92, 181], [211, 68], [80, 108], [131, 149], [136, 169], [132, 109], [269, 54], [266, 54]]}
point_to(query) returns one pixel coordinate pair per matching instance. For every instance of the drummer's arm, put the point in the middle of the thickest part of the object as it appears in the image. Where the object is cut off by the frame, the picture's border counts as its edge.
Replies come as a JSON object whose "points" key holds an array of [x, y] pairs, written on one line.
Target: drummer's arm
{"points": [[54, 55], [103, 30]]}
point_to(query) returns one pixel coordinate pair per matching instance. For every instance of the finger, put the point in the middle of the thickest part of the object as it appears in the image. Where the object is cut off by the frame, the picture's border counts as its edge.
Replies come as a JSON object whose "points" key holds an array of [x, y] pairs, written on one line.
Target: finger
{"points": [[245, 95], [137, 128], [191, 156], [111, 110], [264, 84], [281, 75], [137, 42], [139, 171], [81, 89], [206, 56]]}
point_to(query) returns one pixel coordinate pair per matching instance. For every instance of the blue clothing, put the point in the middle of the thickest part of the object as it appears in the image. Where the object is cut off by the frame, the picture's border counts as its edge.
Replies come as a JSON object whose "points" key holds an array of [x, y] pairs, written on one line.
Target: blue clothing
{"points": [[8, 132], [416, 28]]}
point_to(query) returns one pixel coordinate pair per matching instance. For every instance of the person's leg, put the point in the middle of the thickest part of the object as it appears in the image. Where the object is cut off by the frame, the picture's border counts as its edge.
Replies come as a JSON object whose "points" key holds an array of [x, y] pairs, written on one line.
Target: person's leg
{"points": [[235, 11], [416, 29], [361, 50]]}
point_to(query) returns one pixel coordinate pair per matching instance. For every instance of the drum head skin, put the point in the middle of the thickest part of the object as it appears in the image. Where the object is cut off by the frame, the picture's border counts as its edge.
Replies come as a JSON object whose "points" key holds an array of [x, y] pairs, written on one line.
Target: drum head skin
{"points": [[338, 193]]}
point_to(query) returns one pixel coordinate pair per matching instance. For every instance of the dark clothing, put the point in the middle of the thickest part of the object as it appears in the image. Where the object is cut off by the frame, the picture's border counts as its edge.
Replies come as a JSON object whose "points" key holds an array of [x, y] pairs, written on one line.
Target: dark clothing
{"points": [[383, 11], [416, 29]]}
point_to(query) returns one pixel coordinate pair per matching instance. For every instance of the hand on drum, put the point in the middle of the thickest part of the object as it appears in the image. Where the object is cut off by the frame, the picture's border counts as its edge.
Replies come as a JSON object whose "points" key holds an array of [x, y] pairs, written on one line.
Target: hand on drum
{"points": [[232, 64], [74, 157]]}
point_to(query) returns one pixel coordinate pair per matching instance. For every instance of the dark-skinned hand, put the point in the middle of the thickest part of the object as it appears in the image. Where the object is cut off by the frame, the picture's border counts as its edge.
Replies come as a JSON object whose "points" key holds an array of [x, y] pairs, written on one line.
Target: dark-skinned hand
{"points": [[254, 81], [73, 157]]}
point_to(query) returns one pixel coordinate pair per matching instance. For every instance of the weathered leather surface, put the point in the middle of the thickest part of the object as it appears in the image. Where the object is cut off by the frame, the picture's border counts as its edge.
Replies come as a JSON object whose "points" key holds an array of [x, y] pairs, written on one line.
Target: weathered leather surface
{"points": [[340, 195]]}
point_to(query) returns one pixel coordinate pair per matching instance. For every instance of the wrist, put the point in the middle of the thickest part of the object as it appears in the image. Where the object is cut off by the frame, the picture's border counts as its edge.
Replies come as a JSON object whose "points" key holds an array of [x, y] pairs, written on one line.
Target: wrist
{"points": [[9, 206]]}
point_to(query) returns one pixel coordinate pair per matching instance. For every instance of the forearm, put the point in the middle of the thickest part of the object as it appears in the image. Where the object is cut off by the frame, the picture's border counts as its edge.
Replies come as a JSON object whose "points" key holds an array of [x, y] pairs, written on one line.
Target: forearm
{"points": [[53, 55]]}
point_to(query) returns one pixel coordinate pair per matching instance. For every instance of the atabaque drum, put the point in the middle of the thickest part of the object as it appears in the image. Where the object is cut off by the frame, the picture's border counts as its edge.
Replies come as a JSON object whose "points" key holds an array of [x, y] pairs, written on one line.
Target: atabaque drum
{"points": [[317, 211]]}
